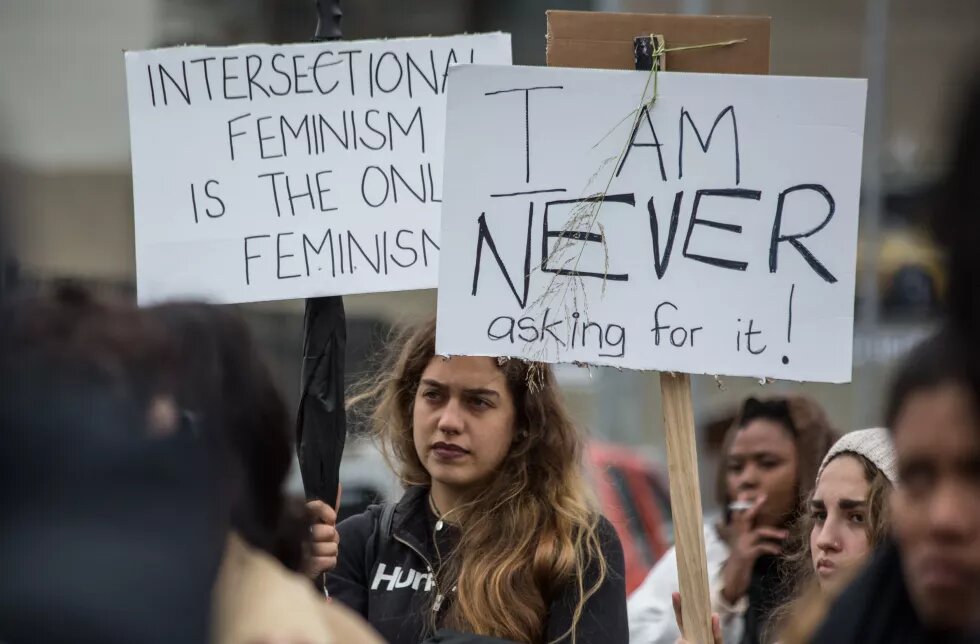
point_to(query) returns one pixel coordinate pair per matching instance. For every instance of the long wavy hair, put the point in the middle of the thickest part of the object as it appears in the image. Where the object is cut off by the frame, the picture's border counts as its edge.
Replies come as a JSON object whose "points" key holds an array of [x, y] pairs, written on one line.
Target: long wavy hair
{"points": [[532, 531], [790, 621]]}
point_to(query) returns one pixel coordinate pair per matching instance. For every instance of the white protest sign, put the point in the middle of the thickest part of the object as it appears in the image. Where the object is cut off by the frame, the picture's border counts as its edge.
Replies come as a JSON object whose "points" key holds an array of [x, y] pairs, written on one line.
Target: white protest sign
{"points": [[725, 244], [266, 172]]}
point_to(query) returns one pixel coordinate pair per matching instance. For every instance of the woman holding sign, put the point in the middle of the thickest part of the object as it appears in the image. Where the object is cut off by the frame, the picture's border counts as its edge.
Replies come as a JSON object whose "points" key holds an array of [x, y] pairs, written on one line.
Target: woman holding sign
{"points": [[496, 534]]}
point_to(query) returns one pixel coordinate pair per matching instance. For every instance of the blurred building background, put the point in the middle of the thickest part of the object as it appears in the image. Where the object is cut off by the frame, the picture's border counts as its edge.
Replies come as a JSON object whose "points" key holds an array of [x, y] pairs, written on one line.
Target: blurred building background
{"points": [[64, 142]]}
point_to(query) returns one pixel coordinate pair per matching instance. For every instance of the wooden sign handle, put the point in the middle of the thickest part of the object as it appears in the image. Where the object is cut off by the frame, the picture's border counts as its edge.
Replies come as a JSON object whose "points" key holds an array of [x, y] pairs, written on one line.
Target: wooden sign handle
{"points": [[685, 502]]}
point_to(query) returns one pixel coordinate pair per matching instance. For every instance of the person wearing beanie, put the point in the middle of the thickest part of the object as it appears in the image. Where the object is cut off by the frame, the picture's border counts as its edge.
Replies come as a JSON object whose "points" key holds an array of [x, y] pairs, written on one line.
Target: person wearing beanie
{"points": [[873, 444], [847, 519]]}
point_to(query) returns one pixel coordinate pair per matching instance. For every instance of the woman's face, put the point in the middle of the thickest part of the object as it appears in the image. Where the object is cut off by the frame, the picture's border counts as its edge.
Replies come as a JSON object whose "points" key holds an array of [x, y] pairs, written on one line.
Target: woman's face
{"points": [[463, 421], [839, 541], [936, 504], [763, 461]]}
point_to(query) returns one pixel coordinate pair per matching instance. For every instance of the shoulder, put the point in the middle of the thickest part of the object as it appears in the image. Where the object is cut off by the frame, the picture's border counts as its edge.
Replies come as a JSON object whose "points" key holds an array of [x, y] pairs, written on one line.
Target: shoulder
{"points": [[606, 531], [610, 545], [255, 598], [347, 626], [358, 535], [361, 525]]}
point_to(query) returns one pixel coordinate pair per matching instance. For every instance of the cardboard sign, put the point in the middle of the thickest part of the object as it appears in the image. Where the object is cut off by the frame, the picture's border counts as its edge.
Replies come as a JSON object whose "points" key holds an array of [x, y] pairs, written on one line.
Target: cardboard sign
{"points": [[725, 241], [596, 40], [266, 172]]}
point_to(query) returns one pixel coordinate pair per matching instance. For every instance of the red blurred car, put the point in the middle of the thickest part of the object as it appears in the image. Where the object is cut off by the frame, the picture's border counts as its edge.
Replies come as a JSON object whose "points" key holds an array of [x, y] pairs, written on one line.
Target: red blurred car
{"points": [[634, 496]]}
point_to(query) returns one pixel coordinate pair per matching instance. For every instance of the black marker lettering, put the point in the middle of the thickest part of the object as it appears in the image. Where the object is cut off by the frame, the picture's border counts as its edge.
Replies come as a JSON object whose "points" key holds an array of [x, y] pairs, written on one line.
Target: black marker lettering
{"points": [[307, 244], [736, 193], [377, 72], [527, 120], [282, 72], [707, 143], [484, 236], [661, 265], [384, 177], [297, 76], [251, 75], [182, 88], [794, 240], [251, 257], [320, 190], [426, 239], [508, 332], [393, 121], [644, 114], [280, 256], [317, 65], [226, 76], [275, 193], [232, 135], [577, 235], [213, 197], [263, 139], [398, 243], [207, 77]]}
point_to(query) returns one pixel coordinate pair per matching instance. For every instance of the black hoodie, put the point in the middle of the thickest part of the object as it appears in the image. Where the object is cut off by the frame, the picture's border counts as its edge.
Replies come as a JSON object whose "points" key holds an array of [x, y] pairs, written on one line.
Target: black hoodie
{"points": [[384, 572]]}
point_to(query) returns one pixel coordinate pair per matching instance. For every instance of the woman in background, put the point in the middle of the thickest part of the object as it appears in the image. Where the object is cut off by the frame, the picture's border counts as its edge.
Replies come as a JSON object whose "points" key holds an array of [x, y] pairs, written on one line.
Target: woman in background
{"points": [[771, 457]]}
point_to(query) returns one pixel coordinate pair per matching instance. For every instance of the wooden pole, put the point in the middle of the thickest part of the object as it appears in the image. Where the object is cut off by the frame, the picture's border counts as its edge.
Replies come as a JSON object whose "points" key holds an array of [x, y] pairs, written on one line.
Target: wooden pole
{"points": [[685, 503]]}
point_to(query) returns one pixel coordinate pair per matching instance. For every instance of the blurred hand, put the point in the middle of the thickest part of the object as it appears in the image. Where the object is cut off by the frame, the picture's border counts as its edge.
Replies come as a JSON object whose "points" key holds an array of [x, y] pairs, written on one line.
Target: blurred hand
{"points": [[748, 543], [324, 538], [715, 622]]}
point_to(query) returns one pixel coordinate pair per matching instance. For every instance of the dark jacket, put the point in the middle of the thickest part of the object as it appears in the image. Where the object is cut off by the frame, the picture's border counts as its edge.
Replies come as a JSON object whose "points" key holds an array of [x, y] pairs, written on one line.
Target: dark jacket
{"points": [[876, 609], [385, 574]]}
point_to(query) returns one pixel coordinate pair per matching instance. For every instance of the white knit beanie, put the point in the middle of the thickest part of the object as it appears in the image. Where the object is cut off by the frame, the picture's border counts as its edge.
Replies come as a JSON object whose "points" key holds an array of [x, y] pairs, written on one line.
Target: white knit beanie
{"points": [[874, 444]]}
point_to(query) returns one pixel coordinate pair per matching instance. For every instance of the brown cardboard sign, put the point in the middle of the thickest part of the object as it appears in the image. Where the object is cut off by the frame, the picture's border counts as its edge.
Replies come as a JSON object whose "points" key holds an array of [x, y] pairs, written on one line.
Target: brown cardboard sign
{"points": [[605, 40]]}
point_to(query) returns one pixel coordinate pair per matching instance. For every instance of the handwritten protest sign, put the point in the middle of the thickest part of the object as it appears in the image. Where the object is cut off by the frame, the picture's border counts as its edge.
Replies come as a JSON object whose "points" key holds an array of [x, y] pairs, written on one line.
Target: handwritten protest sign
{"points": [[267, 172], [725, 242]]}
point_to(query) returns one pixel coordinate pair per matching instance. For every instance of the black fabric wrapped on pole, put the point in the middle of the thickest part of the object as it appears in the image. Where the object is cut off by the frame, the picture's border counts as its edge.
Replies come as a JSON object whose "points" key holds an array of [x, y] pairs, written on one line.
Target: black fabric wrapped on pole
{"points": [[321, 421], [328, 20]]}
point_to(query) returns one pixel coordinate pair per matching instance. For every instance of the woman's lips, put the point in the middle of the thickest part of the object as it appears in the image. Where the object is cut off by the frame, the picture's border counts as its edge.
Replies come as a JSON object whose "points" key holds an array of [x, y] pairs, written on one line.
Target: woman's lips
{"points": [[448, 451], [825, 567]]}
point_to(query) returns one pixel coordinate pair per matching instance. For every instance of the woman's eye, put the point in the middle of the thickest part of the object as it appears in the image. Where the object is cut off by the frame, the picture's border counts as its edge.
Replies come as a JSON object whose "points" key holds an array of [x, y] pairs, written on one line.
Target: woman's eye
{"points": [[735, 467], [430, 394], [857, 518], [480, 403], [819, 516]]}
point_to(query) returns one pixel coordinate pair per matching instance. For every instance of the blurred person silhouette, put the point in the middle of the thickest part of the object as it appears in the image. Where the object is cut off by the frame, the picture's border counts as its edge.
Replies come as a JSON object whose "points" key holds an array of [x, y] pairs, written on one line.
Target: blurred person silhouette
{"points": [[770, 459], [225, 387], [956, 225], [924, 586], [109, 526]]}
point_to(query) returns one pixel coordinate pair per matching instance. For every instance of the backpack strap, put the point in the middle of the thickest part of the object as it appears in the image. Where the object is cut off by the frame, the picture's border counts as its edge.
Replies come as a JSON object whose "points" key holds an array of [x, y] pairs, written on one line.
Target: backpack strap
{"points": [[387, 515], [383, 534]]}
